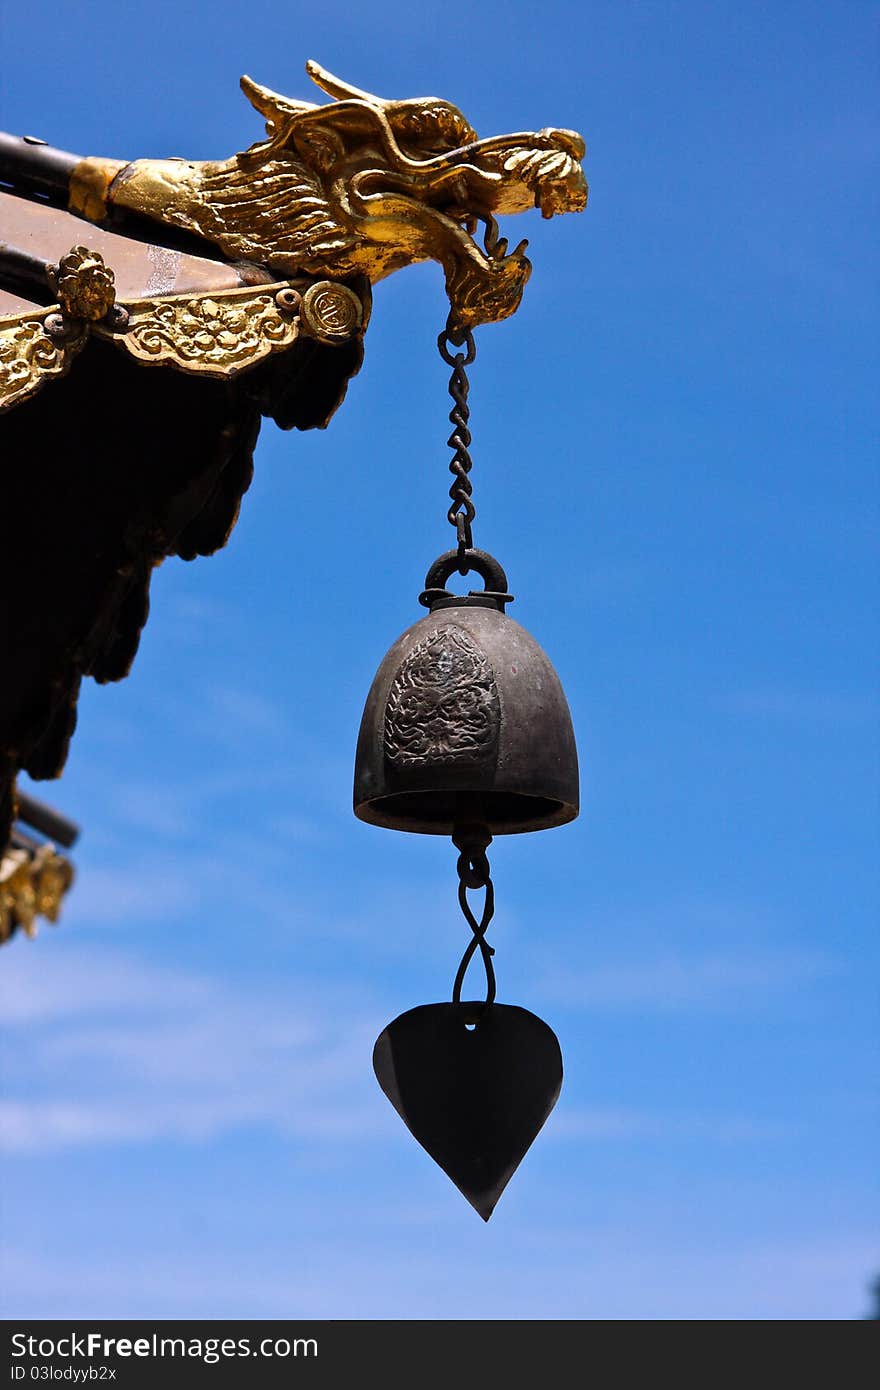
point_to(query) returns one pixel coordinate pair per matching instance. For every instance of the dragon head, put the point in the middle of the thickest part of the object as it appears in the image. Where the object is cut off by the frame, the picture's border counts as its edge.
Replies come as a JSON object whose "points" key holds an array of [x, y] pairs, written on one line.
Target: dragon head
{"points": [[412, 180], [360, 185]]}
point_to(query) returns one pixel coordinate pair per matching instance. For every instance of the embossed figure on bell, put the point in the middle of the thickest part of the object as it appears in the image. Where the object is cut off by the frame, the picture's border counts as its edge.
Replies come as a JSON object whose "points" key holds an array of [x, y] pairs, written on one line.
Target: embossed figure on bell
{"points": [[466, 720], [443, 704]]}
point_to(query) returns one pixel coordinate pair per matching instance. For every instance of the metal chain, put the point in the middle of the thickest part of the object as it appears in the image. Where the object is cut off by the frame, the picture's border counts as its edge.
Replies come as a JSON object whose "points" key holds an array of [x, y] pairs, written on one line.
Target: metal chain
{"points": [[462, 511], [455, 336], [473, 873]]}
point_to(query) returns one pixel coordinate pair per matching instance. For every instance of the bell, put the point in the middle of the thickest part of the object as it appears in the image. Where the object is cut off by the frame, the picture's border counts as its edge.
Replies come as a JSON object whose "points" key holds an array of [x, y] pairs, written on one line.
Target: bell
{"points": [[466, 733], [466, 721]]}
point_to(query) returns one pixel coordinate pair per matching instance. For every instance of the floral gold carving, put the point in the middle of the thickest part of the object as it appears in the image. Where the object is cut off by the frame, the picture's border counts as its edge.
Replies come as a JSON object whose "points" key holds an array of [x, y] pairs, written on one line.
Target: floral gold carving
{"points": [[84, 284], [30, 353], [216, 335]]}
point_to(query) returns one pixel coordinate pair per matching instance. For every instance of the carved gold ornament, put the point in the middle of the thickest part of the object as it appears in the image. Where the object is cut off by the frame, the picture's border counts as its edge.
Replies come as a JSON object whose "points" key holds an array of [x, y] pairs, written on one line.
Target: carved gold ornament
{"points": [[84, 284], [331, 313], [32, 884], [34, 348], [361, 185], [216, 335]]}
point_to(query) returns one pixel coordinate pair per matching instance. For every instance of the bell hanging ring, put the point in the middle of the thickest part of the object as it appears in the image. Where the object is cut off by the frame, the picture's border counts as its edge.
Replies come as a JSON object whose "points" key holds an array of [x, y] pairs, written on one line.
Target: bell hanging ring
{"points": [[466, 720]]}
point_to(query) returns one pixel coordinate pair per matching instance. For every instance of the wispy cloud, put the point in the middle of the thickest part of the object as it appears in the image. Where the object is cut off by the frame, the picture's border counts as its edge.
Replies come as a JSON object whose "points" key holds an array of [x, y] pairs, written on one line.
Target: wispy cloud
{"points": [[123, 1051], [610, 1273], [611, 1124], [194, 615], [797, 706], [138, 892], [80, 984], [112, 1050], [169, 809], [679, 983], [246, 712]]}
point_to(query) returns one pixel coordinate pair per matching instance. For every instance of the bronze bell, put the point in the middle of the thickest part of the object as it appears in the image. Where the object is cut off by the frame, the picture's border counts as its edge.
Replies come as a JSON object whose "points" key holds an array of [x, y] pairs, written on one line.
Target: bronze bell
{"points": [[466, 721], [466, 732]]}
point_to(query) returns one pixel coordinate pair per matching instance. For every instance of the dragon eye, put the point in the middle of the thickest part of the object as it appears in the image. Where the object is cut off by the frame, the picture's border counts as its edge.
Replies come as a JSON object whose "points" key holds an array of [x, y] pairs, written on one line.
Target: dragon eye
{"points": [[435, 126]]}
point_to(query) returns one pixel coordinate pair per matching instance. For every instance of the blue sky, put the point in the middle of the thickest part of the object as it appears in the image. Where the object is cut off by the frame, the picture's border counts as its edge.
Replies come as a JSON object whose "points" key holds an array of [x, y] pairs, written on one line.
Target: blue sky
{"points": [[676, 462]]}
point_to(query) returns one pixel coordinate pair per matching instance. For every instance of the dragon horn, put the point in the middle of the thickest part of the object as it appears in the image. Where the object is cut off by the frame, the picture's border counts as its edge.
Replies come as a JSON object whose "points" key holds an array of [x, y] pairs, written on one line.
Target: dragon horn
{"points": [[341, 90], [270, 104]]}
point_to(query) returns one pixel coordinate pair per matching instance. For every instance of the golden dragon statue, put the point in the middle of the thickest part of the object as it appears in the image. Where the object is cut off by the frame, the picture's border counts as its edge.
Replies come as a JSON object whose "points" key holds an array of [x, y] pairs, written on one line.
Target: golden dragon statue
{"points": [[359, 185]]}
